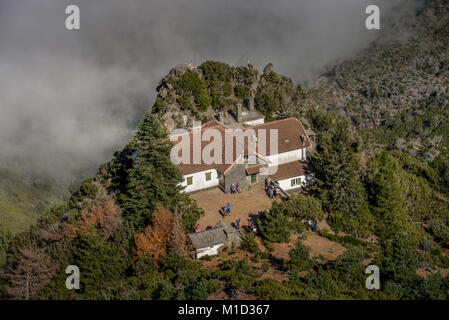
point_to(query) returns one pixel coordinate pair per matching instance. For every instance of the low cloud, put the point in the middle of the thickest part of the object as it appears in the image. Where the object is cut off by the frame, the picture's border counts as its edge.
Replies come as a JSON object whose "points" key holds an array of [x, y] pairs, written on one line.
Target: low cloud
{"points": [[68, 99]]}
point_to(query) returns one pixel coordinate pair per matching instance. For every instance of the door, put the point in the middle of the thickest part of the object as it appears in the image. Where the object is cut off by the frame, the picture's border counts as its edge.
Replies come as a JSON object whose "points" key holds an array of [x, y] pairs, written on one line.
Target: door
{"points": [[253, 178]]}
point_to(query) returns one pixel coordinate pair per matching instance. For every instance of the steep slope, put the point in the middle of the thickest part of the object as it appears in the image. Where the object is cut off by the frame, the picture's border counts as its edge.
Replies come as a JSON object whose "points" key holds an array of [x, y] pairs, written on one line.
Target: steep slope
{"points": [[122, 228], [21, 203], [399, 89]]}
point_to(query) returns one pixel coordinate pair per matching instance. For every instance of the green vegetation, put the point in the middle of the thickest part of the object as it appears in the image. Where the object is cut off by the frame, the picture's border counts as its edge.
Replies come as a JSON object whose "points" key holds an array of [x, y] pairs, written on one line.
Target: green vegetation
{"points": [[190, 85], [22, 202], [299, 258], [338, 179], [274, 225], [382, 178]]}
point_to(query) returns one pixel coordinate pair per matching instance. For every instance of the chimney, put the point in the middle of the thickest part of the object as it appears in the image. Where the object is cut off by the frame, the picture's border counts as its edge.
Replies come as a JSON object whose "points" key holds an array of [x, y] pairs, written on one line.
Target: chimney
{"points": [[196, 125], [251, 104], [221, 117], [239, 113]]}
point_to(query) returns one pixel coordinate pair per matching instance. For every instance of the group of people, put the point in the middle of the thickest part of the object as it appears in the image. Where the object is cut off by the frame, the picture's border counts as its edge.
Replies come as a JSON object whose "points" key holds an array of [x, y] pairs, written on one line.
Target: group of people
{"points": [[252, 227], [227, 213], [273, 191], [235, 188], [312, 225]]}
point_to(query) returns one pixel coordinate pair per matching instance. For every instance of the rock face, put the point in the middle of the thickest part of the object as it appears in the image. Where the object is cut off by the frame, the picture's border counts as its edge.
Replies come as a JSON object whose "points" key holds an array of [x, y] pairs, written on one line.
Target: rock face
{"points": [[181, 69], [268, 68], [191, 93], [167, 107]]}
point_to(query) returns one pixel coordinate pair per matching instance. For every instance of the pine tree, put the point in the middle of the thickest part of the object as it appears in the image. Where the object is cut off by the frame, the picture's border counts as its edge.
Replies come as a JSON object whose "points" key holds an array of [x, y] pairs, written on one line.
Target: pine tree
{"points": [[386, 195], [337, 181], [29, 274], [300, 258], [153, 178], [274, 225]]}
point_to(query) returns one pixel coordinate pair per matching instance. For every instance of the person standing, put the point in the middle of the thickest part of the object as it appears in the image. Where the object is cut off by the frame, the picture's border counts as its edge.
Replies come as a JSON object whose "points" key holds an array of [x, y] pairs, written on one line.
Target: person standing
{"points": [[314, 225], [270, 193], [238, 223], [228, 209]]}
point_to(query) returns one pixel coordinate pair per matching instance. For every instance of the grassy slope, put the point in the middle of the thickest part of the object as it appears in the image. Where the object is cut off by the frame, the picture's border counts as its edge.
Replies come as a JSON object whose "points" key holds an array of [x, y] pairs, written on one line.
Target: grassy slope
{"points": [[21, 203]]}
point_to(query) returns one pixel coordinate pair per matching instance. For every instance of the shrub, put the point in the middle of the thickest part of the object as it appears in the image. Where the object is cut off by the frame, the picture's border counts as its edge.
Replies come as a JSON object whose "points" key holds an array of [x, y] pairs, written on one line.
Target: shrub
{"points": [[265, 267], [274, 225], [249, 243], [299, 258], [303, 207]]}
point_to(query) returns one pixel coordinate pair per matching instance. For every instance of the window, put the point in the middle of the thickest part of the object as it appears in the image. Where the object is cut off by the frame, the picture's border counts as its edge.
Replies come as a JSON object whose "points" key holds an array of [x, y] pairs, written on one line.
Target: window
{"points": [[254, 178], [209, 176], [189, 181], [296, 182]]}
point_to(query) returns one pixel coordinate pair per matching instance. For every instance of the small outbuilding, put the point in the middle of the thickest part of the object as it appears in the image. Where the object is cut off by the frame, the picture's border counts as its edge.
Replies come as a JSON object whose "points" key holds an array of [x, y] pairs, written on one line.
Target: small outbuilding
{"points": [[209, 242]]}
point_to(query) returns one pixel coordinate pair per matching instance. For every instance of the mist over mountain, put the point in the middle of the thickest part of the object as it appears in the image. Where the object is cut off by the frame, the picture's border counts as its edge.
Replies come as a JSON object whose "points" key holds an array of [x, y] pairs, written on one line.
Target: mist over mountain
{"points": [[380, 161], [68, 99]]}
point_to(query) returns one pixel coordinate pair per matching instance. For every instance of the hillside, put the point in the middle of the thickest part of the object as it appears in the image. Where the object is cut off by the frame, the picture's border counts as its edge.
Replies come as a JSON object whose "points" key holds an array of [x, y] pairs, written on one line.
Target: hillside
{"points": [[22, 203], [398, 91]]}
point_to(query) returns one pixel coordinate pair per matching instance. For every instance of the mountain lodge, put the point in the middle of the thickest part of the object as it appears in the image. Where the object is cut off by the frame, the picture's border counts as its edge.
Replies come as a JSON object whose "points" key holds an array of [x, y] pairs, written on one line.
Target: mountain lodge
{"points": [[286, 164]]}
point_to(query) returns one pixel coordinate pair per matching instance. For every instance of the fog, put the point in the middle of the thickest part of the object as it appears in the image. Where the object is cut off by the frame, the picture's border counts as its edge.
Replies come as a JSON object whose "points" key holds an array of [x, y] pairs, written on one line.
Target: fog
{"points": [[69, 99]]}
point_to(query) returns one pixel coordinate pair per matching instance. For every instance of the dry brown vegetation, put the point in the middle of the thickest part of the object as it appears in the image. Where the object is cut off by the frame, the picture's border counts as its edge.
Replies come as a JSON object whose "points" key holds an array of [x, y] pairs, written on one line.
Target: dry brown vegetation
{"points": [[105, 219], [29, 274], [165, 234]]}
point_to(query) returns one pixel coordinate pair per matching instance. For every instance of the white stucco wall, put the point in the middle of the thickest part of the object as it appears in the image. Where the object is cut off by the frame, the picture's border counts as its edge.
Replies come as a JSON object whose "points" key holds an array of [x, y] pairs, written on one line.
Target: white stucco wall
{"points": [[199, 181], [287, 185], [208, 251], [295, 155], [306, 181]]}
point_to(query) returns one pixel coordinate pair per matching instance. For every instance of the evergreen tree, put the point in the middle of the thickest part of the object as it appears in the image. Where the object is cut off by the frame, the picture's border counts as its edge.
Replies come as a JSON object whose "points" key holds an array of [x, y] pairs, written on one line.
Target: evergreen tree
{"points": [[153, 179], [274, 225], [386, 195], [300, 258], [337, 181], [301, 206]]}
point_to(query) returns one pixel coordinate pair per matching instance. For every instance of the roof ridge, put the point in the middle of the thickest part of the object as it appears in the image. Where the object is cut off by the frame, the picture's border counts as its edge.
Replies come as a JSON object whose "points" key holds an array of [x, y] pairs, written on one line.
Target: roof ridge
{"points": [[272, 122]]}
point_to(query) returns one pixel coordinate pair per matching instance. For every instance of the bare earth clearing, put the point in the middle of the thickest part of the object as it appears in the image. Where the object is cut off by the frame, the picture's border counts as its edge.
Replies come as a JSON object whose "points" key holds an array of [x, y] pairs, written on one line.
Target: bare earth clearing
{"points": [[242, 205], [246, 206]]}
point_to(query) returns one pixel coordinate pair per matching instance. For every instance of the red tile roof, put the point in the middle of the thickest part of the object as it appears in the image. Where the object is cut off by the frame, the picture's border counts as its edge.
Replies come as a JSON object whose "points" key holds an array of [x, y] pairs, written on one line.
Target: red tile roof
{"points": [[289, 130], [291, 170], [254, 169]]}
